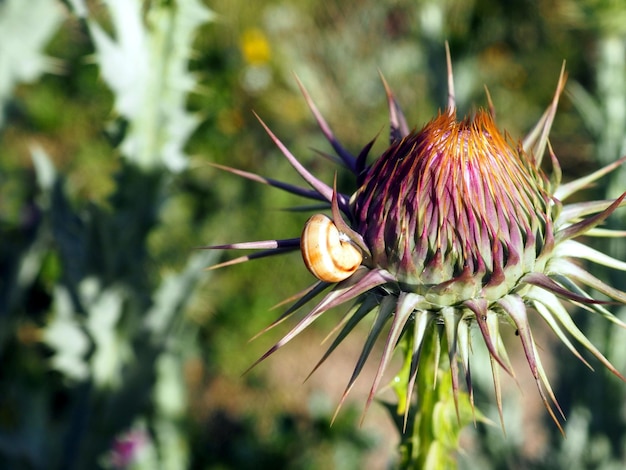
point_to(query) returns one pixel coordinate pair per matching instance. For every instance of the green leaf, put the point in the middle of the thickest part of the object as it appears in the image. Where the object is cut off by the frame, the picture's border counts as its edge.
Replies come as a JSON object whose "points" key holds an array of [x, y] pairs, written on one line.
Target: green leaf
{"points": [[25, 29], [173, 293], [146, 68], [111, 352], [67, 339]]}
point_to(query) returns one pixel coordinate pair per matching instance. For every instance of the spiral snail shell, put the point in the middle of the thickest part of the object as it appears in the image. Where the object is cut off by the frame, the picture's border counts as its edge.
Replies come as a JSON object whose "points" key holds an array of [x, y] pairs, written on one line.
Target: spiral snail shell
{"points": [[327, 253]]}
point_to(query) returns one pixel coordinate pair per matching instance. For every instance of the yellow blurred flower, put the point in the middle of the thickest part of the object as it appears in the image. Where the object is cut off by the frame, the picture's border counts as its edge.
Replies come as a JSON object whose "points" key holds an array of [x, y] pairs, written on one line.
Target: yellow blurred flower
{"points": [[255, 47]]}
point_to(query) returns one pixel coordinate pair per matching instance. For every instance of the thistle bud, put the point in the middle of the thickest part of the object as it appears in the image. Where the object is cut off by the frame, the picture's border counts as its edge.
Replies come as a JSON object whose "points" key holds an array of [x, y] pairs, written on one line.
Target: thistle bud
{"points": [[456, 227], [455, 212]]}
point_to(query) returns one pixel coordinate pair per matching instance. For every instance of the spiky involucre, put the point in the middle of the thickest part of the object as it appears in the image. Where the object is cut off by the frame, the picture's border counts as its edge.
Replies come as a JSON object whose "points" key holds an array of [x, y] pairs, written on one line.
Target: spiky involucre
{"points": [[454, 210], [459, 228]]}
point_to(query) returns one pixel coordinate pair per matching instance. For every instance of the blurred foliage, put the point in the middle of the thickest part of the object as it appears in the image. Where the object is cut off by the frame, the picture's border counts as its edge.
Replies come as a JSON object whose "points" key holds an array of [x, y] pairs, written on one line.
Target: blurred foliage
{"points": [[117, 349]]}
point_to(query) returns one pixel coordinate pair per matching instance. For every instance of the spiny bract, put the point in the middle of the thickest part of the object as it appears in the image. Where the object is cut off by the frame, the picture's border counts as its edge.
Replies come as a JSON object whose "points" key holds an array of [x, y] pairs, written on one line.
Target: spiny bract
{"points": [[457, 227]]}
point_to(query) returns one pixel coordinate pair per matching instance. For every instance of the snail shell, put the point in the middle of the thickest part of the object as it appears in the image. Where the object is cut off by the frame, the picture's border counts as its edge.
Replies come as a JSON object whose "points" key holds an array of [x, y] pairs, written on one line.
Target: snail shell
{"points": [[327, 253]]}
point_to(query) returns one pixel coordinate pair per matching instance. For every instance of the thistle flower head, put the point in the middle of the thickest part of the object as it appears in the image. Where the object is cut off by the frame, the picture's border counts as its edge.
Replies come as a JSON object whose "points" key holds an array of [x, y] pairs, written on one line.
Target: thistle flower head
{"points": [[456, 227], [455, 212]]}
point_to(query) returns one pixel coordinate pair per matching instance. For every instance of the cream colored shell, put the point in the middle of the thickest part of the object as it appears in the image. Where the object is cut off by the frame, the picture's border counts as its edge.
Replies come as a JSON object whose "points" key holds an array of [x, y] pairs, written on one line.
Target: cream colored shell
{"points": [[327, 253]]}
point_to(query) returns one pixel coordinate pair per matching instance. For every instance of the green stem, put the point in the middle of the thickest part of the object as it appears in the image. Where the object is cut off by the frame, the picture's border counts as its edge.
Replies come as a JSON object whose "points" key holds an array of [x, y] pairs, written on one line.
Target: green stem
{"points": [[431, 437]]}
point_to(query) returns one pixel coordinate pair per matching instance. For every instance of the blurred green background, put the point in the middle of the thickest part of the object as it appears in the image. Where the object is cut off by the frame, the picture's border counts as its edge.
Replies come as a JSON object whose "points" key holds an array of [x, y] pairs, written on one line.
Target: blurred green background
{"points": [[119, 350]]}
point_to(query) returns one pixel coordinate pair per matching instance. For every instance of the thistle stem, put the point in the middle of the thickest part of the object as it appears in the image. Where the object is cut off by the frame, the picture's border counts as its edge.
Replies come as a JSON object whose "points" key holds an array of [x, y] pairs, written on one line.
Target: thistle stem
{"points": [[431, 437]]}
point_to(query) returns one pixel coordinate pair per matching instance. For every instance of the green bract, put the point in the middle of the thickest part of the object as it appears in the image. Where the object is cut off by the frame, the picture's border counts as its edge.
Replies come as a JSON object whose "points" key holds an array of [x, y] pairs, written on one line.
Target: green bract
{"points": [[459, 228]]}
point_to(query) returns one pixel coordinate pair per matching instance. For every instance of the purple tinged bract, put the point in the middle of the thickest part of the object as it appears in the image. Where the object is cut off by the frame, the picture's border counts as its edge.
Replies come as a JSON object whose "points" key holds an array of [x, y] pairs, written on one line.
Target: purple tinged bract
{"points": [[458, 228]]}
